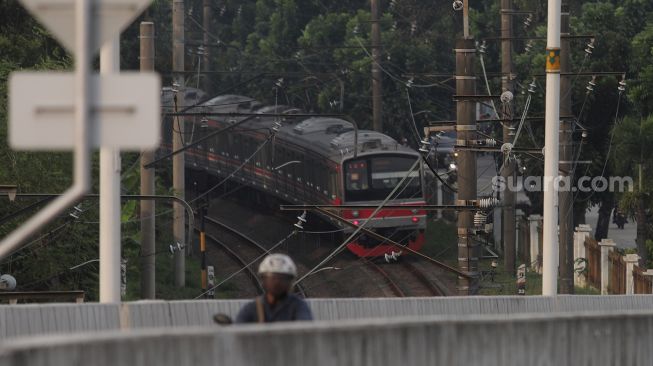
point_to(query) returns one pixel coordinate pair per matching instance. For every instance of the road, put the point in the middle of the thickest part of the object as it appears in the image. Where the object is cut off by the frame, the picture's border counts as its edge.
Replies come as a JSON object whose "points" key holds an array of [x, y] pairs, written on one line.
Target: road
{"points": [[624, 238]]}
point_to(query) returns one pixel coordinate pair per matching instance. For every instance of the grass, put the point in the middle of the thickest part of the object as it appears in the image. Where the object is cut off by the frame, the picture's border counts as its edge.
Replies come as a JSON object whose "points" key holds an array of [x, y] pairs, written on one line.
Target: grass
{"points": [[165, 288], [505, 284], [441, 241]]}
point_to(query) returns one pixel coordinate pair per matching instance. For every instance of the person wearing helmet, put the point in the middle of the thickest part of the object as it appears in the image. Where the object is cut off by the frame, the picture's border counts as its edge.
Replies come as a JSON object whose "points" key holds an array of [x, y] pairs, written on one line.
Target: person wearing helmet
{"points": [[277, 304]]}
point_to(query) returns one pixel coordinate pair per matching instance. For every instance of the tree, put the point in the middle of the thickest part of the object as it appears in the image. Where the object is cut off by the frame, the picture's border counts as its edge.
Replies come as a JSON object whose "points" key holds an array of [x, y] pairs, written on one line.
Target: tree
{"points": [[633, 148]]}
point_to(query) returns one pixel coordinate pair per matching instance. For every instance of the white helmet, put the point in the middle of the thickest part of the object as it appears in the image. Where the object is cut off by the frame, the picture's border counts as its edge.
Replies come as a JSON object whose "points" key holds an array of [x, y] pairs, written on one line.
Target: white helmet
{"points": [[278, 263]]}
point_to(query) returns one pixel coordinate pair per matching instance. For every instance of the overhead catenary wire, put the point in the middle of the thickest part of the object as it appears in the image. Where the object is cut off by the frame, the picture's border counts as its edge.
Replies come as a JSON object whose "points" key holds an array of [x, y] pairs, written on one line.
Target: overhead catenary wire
{"points": [[292, 233], [394, 77], [360, 227], [487, 84], [241, 166], [425, 159]]}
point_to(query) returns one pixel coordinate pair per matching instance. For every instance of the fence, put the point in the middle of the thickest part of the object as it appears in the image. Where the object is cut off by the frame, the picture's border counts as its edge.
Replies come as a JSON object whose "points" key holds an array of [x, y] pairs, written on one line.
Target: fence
{"points": [[643, 282], [12, 297], [39, 319], [617, 270], [600, 266], [598, 339], [593, 265]]}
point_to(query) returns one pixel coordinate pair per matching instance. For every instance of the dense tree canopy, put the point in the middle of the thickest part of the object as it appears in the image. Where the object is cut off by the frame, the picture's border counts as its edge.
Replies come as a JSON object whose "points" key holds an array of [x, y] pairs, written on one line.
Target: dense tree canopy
{"points": [[319, 53]]}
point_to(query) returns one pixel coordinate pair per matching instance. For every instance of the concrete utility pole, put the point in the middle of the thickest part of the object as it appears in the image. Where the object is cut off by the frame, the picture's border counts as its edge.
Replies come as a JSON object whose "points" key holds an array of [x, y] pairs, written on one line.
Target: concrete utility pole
{"points": [[178, 173], [566, 161], [377, 76], [148, 247], [466, 130], [508, 171], [206, 23], [552, 129], [110, 264]]}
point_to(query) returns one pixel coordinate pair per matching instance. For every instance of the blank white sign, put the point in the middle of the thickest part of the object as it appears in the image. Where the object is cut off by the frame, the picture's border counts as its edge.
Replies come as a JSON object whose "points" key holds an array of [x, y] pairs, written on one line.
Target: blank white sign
{"points": [[126, 113]]}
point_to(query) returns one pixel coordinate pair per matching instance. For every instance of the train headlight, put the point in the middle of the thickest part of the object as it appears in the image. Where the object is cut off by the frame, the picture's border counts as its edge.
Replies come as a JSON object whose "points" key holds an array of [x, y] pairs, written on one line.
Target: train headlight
{"points": [[356, 222], [414, 219], [355, 213]]}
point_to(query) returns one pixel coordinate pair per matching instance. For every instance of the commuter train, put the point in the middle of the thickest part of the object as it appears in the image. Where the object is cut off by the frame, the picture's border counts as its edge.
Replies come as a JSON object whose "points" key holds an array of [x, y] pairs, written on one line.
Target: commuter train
{"points": [[310, 160]]}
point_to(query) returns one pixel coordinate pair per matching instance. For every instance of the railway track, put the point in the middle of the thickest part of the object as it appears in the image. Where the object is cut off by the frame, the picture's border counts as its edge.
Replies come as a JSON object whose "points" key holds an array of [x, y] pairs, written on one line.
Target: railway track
{"points": [[432, 288], [242, 263], [404, 279], [387, 279], [242, 248]]}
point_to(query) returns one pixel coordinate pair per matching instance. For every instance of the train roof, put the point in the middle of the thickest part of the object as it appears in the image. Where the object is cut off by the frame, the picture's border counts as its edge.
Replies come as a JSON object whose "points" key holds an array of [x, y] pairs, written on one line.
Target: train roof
{"points": [[191, 96], [329, 136]]}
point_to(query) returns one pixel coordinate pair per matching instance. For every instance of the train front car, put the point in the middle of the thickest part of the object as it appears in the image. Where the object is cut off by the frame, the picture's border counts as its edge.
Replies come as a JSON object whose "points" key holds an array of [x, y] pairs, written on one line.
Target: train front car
{"points": [[383, 170]]}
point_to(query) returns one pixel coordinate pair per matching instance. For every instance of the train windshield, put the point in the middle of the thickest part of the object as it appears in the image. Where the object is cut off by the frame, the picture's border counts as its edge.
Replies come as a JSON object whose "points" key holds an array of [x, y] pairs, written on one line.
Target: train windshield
{"points": [[373, 178]]}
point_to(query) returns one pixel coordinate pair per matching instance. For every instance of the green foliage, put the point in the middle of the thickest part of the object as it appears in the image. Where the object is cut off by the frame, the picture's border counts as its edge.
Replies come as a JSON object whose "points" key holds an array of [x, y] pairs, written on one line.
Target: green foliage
{"points": [[441, 241], [321, 51]]}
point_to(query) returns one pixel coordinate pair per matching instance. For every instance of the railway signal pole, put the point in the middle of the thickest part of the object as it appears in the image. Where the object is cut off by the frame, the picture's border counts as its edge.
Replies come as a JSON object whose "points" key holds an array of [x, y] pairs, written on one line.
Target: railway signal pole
{"points": [[377, 88], [148, 248], [204, 278], [566, 160], [178, 174], [508, 171], [466, 130]]}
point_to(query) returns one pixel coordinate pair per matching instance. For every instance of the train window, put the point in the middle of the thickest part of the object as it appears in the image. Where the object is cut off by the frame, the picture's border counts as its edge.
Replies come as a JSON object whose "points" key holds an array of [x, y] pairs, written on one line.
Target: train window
{"points": [[357, 175], [374, 178], [333, 185], [387, 172]]}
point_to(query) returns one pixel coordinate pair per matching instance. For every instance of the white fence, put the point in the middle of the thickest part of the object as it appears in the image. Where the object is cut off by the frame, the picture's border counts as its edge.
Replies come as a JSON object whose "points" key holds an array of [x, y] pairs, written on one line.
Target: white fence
{"points": [[24, 320], [595, 339]]}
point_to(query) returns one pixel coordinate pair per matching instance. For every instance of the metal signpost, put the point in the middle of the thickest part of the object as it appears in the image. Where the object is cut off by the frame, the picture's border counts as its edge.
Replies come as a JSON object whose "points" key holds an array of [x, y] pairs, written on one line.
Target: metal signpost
{"points": [[81, 110]]}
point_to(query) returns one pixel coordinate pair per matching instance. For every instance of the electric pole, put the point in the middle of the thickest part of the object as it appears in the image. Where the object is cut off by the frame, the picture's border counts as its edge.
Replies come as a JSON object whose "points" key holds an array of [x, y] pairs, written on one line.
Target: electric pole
{"points": [[566, 221], [206, 23], [508, 168], [551, 150], [148, 247], [466, 131], [178, 174], [377, 107]]}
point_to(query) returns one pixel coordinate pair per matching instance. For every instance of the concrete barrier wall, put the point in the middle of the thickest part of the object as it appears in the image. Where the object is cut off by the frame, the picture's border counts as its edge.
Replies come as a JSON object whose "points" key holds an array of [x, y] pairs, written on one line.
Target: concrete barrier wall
{"points": [[22, 320], [538, 339]]}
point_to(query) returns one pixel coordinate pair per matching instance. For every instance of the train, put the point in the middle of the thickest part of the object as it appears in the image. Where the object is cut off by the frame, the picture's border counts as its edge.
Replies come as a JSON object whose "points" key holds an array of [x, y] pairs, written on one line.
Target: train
{"points": [[311, 160]]}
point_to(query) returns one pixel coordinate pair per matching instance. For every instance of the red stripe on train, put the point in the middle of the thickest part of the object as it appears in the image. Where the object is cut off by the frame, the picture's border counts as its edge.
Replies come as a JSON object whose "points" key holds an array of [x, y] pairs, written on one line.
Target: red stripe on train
{"points": [[381, 249]]}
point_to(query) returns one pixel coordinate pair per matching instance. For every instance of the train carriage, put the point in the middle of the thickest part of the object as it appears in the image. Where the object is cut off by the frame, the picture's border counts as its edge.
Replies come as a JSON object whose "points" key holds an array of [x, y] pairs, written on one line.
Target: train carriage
{"points": [[313, 160]]}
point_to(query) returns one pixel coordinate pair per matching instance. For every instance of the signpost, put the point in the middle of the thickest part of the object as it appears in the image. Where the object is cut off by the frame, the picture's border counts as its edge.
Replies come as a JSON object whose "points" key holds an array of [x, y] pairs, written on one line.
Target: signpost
{"points": [[108, 18], [521, 280], [210, 282], [81, 111], [125, 115]]}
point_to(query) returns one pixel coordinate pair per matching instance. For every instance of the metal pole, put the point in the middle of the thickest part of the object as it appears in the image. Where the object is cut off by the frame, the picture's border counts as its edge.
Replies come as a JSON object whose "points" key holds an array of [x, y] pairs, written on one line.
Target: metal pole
{"points": [[148, 222], [508, 171], [552, 120], [203, 247], [466, 131], [82, 149], [206, 23], [110, 196], [377, 76], [566, 163], [178, 174]]}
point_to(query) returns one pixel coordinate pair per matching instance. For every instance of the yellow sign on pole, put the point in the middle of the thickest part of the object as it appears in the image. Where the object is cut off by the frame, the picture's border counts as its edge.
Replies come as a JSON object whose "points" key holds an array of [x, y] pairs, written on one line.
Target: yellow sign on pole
{"points": [[552, 60]]}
